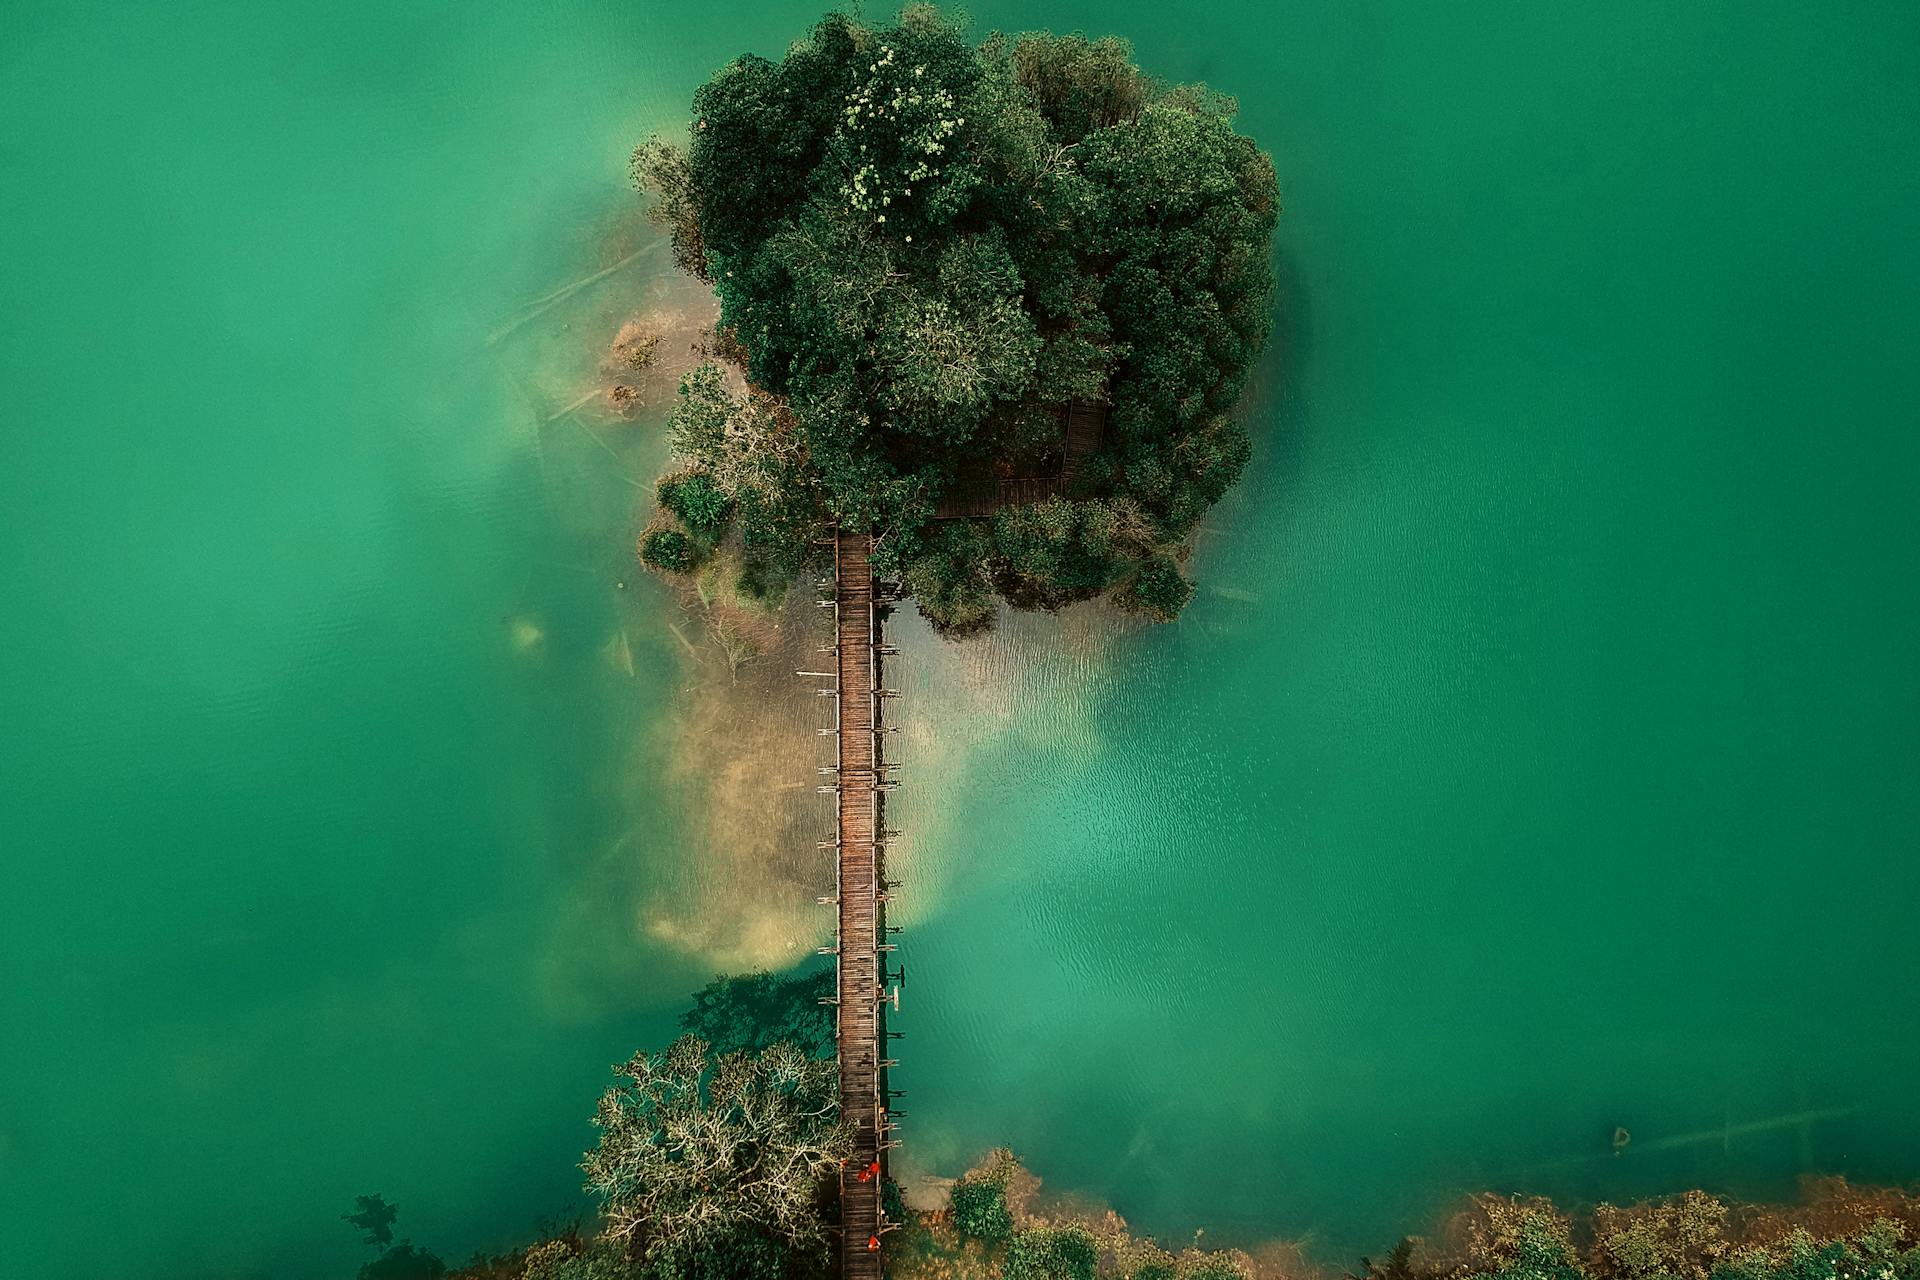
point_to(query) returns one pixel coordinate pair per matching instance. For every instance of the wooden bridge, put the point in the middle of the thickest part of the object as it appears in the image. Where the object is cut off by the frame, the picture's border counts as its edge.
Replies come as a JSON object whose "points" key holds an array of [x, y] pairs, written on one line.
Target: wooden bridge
{"points": [[860, 783], [860, 895]]}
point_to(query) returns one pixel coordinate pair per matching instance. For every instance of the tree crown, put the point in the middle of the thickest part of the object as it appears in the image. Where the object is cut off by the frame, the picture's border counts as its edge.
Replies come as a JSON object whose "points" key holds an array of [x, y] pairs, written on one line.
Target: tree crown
{"points": [[923, 250]]}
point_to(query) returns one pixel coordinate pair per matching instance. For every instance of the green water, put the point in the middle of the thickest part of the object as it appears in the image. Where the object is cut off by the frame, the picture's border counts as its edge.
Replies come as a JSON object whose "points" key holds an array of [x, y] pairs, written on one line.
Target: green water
{"points": [[1539, 756]]}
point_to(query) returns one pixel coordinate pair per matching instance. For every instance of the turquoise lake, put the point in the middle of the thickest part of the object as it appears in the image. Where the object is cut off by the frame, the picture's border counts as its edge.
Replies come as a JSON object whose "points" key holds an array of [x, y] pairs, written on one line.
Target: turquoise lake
{"points": [[1540, 755]]}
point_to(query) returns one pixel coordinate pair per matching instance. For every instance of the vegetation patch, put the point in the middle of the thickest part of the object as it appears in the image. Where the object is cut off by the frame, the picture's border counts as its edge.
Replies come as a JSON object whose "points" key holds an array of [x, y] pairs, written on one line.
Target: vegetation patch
{"points": [[717, 1156]]}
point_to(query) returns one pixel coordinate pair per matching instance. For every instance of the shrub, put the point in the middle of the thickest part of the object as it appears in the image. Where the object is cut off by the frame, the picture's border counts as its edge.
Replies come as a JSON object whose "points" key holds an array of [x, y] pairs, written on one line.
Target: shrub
{"points": [[1683, 1237], [1051, 1253], [700, 504], [668, 550], [980, 1209]]}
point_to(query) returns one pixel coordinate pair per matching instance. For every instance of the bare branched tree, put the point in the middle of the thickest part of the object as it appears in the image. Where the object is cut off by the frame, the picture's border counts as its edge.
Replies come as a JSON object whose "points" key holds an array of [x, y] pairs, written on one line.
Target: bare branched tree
{"points": [[693, 1147]]}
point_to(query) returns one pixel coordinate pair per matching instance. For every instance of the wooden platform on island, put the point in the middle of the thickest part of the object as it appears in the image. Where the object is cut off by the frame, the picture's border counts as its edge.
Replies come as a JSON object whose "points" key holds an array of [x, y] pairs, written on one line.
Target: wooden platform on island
{"points": [[1082, 423]]}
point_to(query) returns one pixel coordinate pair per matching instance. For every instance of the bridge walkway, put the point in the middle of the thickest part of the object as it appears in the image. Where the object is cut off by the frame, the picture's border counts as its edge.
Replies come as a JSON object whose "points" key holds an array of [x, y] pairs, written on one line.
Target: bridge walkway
{"points": [[860, 895]]}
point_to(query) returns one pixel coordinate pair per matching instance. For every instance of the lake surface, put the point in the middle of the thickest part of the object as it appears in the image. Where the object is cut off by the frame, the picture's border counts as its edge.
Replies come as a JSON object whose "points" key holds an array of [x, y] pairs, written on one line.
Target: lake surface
{"points": [[1538, 756]]}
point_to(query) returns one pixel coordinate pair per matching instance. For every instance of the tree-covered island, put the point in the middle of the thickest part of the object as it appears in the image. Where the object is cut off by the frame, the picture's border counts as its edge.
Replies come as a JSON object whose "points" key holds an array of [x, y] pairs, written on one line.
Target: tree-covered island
{"points": [[923, 251]]}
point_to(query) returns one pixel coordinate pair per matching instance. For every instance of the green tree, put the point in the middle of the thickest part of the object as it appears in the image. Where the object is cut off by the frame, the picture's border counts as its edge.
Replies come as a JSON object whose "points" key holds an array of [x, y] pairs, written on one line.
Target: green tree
{"points": [[1156, 589], [922, 248], [950, 576]]}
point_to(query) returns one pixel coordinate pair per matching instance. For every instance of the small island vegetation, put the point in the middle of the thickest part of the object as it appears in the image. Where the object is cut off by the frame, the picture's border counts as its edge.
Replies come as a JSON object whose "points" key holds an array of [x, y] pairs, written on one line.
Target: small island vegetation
{"points": [[924, 250]]}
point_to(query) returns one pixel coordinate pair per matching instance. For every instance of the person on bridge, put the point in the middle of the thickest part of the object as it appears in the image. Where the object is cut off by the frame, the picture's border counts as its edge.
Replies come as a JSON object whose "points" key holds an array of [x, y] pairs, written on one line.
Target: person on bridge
{"points": [[873, 1244]]}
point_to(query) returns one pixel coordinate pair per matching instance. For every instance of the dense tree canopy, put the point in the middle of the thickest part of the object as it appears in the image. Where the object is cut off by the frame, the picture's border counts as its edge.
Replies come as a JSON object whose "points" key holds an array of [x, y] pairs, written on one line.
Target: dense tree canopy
{"points": [[923, 249]]}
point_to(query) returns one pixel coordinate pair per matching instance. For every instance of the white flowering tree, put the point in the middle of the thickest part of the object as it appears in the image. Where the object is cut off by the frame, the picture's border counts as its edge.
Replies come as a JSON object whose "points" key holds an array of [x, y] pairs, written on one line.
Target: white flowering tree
{"points": [[697, 1152]]}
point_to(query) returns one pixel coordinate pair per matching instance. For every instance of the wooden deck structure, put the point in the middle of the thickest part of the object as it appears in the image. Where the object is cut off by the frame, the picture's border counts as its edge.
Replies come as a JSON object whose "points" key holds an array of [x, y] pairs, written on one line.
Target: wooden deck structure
{"points": [[1086, 423], [860, 894], [1082, 423]]}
